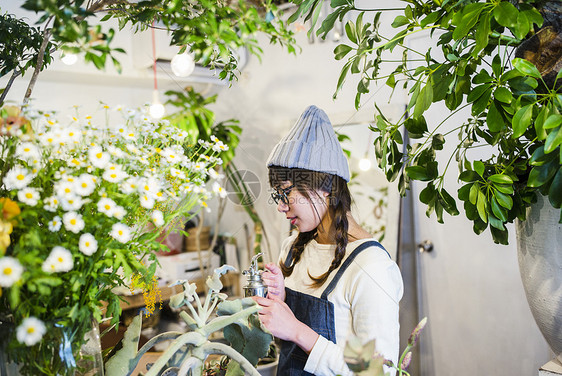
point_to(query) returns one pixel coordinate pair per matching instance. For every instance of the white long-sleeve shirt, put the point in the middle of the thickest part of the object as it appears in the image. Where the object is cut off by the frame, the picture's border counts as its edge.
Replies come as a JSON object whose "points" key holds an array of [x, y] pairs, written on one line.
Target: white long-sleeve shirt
{"points": [[365, 299]]}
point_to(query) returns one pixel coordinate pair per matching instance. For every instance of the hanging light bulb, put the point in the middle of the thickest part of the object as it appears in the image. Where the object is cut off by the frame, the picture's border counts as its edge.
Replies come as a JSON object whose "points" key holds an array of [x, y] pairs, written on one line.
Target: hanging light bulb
{"points": [[156, 109], [69, 58], [364, 164], [183, 64]]}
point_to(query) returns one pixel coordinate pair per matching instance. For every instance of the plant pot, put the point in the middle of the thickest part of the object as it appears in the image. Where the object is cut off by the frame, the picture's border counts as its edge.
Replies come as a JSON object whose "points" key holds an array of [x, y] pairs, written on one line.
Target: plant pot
{"points": [[268, 369], [539, 245]]}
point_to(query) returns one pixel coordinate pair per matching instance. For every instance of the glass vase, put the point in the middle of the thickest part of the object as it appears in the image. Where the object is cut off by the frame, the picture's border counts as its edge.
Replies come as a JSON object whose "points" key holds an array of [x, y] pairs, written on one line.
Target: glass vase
{"points": [[56, 354]]}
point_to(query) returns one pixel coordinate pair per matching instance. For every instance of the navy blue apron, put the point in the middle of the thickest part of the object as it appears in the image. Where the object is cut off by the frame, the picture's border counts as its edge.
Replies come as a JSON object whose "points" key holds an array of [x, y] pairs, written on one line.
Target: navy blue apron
{"points": [[317, 313]]}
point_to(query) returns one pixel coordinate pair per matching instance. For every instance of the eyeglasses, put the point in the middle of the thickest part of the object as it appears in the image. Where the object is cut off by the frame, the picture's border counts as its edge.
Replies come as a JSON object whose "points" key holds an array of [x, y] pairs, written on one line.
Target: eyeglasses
{"points": [[282, 195]]}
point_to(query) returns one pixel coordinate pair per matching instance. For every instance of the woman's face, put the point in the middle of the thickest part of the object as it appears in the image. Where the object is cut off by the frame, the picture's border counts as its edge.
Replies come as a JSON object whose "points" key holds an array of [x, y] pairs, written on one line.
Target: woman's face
{"points": [[303, 212]]}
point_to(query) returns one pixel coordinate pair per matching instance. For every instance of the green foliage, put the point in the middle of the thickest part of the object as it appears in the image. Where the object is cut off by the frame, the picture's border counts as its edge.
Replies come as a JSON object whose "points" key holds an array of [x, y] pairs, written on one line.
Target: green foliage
{"points": [[513, 111], [20, 44], [215, 31], [246, 335]]}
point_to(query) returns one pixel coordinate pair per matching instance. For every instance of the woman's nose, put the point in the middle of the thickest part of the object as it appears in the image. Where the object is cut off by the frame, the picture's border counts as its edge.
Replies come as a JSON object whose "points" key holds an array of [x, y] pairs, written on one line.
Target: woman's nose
{"points": [[282, 207]]}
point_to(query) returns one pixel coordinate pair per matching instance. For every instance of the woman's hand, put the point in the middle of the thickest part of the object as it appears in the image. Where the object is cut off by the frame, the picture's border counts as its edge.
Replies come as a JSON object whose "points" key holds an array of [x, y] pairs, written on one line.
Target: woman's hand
{"points": [[273, 278], [282, 323]]}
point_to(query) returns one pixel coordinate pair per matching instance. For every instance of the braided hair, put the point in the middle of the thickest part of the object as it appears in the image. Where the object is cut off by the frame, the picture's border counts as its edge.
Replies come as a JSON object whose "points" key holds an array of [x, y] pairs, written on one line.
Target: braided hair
{"points": [[307, 182]]}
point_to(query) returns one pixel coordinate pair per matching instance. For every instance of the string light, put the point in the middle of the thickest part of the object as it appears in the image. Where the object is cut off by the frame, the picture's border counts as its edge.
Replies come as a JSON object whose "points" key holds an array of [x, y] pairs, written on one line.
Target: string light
{"points": [[365, 162], [183, 64], [69, 58], [156, 109]]}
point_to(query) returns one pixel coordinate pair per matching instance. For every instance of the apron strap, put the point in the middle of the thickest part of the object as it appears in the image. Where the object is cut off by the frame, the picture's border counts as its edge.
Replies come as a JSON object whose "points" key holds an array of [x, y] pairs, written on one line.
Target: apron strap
{"points": [[349, 260]]}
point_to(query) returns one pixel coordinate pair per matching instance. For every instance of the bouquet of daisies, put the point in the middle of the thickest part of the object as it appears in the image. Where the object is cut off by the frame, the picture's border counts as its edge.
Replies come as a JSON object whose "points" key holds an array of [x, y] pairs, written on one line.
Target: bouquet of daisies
{"points": [[83, 201]]}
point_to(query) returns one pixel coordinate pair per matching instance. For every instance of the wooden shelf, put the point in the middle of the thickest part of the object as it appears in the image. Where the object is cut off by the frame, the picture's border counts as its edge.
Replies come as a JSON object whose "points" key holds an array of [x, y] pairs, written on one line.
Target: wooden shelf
{"points": [[137, 300]]}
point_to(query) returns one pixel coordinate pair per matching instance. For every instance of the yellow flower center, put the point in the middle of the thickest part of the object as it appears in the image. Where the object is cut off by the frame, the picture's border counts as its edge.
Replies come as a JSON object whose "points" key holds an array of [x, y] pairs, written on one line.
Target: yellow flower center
{"points": [[73, 221], [84, 185], [67, 190], [87, 244], [7, 271], [113, 176], [60, 259], [120, 232], [27, 150], [98, 155], [30, 330], [107, 207], [20, 177], [28, 195]]}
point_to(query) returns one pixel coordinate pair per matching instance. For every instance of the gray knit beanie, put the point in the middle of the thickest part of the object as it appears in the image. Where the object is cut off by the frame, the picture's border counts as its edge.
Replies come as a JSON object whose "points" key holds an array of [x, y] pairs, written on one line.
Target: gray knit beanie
{"points": [[311, 144]]}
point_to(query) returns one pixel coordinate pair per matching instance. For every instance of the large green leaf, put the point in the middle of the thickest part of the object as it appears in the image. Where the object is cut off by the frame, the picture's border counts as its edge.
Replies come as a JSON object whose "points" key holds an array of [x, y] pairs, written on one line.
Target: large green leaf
{"points": [[553, 139], [417, 173], [521, 120], [494, 118], [506, 14], [466, 19], [540, 175], [526, 67], [555, 191], [425, 98]]}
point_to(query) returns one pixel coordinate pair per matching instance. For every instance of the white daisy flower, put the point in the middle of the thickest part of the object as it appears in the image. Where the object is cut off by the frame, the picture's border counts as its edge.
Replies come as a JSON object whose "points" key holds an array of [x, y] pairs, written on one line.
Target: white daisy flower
{"points": [[219, 190], [149, 187], [48, 138], [106, 206], [59, 260], [27, 151], [220, 146], [30, 331], [200, 166], [88, 244], [29, 196], [10, 271], [171, 155], [71, 135], [51, 204], [85, 184], [146, 201], [115, 151], [72, 202], [214, 138], [73, 222], [158, 218], [114, 174], [120, 232], [17, 178], [130, 185], [176, 173], [213, 174], [55, 224], [98, 158], [65, 188], [119, 212]]}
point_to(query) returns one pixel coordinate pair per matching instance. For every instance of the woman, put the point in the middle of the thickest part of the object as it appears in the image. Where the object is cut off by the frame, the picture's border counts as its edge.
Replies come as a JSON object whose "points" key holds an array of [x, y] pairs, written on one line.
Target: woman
{"points": [[333, 279]]}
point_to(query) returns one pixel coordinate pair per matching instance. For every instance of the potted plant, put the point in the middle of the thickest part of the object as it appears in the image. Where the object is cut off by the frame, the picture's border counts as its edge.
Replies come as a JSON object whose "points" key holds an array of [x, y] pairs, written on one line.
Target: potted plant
{"points": [[188, 352], [502, 61]]}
